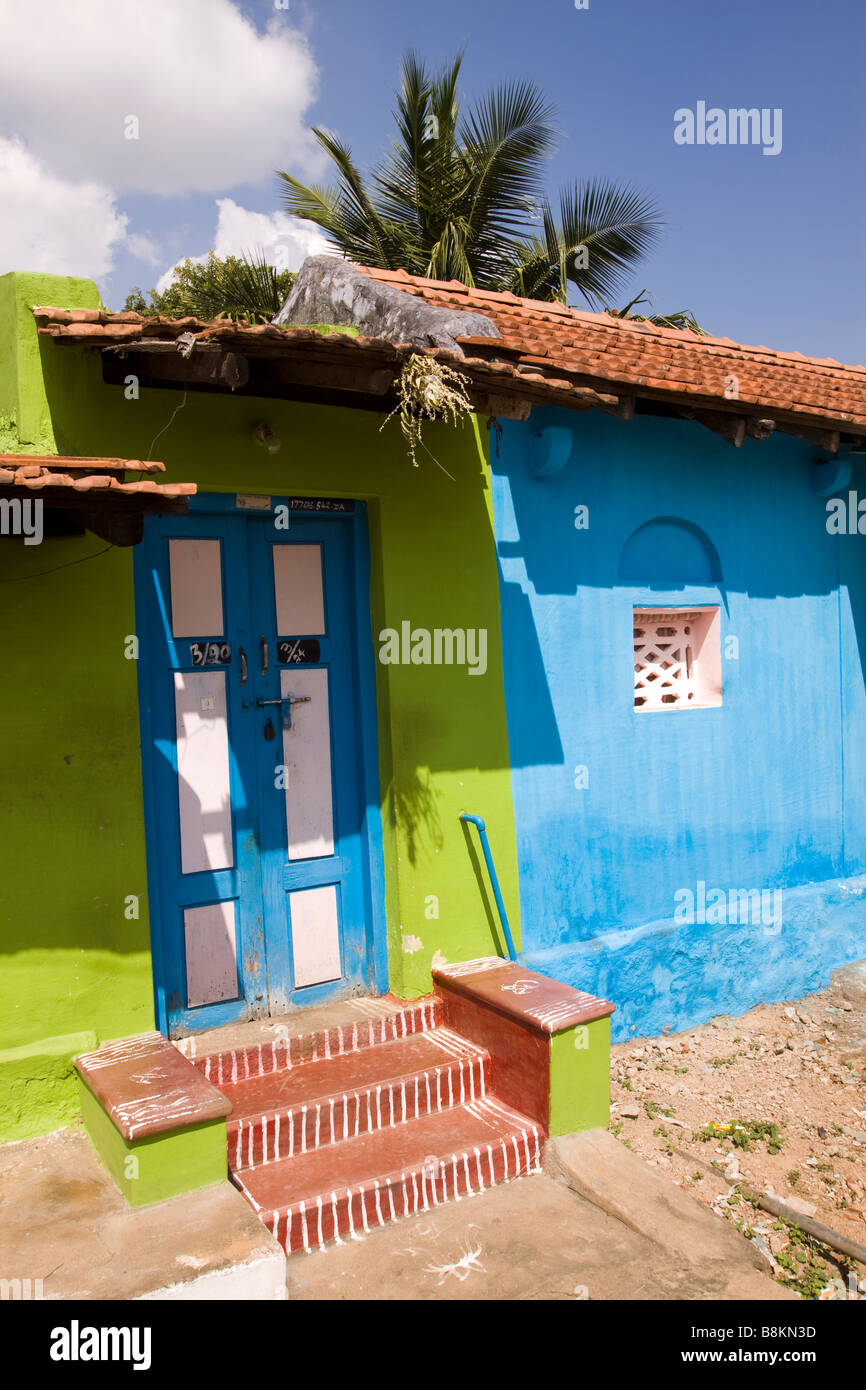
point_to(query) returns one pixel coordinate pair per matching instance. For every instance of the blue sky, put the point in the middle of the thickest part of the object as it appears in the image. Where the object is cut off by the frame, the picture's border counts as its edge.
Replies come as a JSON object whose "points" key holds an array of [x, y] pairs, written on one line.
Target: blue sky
{"points": [[763, 249]]}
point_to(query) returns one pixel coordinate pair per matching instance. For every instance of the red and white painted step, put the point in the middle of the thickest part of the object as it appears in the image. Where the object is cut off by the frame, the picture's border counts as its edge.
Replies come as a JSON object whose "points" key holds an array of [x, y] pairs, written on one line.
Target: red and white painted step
{"points": [[336, 1132]]}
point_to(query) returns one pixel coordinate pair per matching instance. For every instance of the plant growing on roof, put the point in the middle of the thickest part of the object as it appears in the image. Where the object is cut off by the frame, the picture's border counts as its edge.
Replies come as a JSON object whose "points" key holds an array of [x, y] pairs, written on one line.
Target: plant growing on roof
{"points": [[680, 318], [237, 287], [460, 195], [428, 390]]}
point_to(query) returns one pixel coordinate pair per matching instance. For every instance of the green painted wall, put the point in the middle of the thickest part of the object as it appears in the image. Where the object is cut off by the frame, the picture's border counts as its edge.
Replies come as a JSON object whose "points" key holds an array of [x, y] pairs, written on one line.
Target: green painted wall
{"points": [[25, 419], [71, 800], [580, 1078], [161, 1166], [72, 961]]}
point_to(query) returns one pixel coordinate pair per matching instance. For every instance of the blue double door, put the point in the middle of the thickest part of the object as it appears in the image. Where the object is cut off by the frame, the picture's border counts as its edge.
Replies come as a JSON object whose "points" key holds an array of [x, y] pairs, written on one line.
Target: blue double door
{"points": [[258, 847]]}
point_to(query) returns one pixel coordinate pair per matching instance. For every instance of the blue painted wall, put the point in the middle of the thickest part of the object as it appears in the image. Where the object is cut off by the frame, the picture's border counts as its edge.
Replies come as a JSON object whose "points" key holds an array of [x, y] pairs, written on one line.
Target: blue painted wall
{"points": [[765, 791]]}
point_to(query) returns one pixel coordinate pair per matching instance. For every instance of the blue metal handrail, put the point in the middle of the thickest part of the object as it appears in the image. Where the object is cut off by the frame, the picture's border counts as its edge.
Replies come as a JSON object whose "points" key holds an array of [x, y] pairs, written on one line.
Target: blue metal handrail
{"points": [[494, 881]]}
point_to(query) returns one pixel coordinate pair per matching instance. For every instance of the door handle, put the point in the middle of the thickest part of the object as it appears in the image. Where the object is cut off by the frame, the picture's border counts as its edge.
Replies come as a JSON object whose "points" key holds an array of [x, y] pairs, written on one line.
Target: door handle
{"points": [[264, 642], [287, 702], [243, 665]]}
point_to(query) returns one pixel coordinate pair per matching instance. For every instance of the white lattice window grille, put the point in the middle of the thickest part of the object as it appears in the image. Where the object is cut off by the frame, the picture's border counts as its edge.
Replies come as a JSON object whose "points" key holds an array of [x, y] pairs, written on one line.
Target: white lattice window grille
{"points": [[677, 658]]}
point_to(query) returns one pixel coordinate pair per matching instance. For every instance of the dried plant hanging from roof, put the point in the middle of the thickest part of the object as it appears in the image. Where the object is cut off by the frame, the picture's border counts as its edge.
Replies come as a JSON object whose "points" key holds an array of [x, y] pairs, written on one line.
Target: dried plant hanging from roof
{"points": [[428, 390]]}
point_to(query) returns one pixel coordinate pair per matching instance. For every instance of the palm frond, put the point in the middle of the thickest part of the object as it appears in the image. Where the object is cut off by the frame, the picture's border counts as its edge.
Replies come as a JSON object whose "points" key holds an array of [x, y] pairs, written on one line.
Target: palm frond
{"points": [[680, 318], [603, 229]]}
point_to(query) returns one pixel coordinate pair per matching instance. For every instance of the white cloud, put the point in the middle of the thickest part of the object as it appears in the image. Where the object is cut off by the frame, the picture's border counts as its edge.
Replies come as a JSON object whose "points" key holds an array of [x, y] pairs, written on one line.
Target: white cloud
{"points": [[286, 241], [144, 248], [218, 103], [50, 224]]}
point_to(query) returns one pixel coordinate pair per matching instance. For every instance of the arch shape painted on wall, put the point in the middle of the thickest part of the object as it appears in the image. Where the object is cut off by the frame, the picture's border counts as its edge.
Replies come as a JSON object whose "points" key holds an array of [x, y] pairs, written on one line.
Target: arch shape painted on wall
{"points": [[669, 551]]}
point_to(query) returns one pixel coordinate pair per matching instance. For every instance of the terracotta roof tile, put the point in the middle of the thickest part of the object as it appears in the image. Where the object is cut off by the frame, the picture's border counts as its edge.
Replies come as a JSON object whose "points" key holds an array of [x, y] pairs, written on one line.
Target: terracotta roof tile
{"points": [[38, 471], [568, 353]]}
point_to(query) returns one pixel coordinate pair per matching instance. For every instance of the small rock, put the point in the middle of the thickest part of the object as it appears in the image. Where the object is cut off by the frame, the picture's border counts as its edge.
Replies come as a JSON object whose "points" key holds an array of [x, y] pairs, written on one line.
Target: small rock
{"points": [[629, 1112], [761, 1245], [848, 1008]]}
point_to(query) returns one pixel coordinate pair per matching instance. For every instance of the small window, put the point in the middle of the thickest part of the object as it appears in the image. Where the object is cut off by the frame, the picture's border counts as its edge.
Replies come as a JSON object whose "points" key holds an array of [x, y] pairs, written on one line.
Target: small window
{"points": [[677, 658]]}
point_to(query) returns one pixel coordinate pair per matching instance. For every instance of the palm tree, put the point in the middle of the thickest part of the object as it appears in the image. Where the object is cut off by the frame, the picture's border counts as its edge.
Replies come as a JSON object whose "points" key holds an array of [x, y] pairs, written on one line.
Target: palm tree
{"points": [[460, 195]]}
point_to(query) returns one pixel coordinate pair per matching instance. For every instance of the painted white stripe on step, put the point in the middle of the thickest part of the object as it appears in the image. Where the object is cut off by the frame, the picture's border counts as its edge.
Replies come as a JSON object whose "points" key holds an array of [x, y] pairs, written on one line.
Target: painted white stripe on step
{"points": [[454, 1175], [337, 1237], [478, 1169], [466, 1172], [471, 967]]}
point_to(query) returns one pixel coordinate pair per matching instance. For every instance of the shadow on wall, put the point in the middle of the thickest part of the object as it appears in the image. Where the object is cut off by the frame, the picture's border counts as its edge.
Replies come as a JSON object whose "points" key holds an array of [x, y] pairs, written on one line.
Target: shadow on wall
{"points": [[618, 809]]}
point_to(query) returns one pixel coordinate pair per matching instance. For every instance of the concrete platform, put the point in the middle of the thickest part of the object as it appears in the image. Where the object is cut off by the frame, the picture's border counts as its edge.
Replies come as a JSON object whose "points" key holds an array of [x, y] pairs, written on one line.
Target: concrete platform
{"points": [[65, 1223], [574, 1232], [537, 1239]]}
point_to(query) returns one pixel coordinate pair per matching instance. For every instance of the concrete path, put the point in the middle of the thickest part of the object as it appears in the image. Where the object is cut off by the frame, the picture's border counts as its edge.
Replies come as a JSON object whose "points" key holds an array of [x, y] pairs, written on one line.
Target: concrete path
{"points": [[65, 1223], [560, 1235], [599, 1224]]}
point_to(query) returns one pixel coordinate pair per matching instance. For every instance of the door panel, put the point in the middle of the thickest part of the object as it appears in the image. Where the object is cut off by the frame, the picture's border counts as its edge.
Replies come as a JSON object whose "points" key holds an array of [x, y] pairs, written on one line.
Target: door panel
{"points": [[257, 848], [196, 587], [202, 844], [315, 935], [307, 757], [210, 938], [313, 828], [204, 802], [298, 589]]}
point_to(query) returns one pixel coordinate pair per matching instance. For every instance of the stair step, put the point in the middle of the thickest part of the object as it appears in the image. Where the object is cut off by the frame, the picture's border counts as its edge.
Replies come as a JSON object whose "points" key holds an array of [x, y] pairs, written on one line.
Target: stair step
{"points": [[292, 1112], [385, 1022], [347, 1188]]}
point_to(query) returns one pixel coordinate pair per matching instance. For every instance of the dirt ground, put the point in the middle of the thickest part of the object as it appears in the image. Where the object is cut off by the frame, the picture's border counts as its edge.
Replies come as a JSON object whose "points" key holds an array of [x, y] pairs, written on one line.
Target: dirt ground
{"points": [[800, 1067]]}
